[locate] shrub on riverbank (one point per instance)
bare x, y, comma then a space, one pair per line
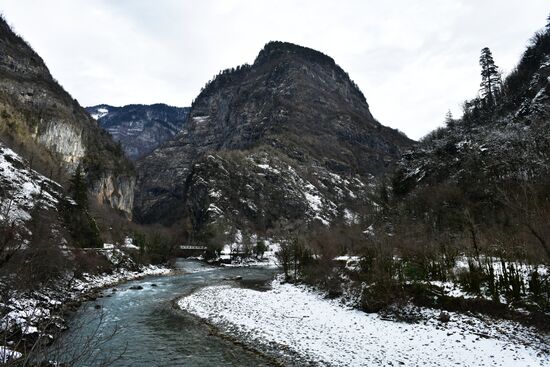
389, 271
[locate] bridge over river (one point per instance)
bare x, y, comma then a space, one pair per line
188, 250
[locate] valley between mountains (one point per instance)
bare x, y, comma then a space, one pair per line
274, 221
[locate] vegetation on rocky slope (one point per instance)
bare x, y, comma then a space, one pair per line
287, 139
473, 196
44, 124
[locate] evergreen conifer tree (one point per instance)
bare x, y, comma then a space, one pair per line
78, 188
449, 120
490, 77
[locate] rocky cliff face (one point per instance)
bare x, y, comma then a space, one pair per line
49, 128
289, 138
115, 190
140, 128
65, 140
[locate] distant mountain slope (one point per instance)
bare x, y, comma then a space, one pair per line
287, 139
140, 128
40, 120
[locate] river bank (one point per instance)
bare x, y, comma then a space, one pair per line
243, 316
137, 323
39, 316
303, 322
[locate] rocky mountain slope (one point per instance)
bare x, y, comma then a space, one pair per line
42, 122
480, 184
140, 128
287, 139
23, 190
490, 146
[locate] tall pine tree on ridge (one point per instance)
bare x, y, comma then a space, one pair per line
490, 78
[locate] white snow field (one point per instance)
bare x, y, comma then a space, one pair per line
328, 334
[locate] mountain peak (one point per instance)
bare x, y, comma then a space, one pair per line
294, 112
278, 52
276, 49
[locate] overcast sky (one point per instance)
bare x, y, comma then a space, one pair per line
413, 60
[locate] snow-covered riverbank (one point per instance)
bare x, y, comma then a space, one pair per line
27, 313
320, 330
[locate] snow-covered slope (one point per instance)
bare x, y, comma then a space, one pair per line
257, 189
33, 229
22, 189
491, 146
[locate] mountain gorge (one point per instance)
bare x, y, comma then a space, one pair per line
275, 221
140, 128
288, 138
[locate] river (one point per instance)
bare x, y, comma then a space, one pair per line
130, 327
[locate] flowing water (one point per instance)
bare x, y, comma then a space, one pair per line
144, 328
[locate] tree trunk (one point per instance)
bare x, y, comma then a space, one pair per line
540, 238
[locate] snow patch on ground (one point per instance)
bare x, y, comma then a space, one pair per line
7, 355
351, 217
324, 331
215, 194
315, 202
267, 167
201, 119
23, 188
232, 254
100, 112
89, 282
212, 208
499, 267
129, 244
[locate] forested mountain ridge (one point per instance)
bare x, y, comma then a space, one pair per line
495, 140
289, 138
140, 128
489, 169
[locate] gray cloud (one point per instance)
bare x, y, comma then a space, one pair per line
413, 60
